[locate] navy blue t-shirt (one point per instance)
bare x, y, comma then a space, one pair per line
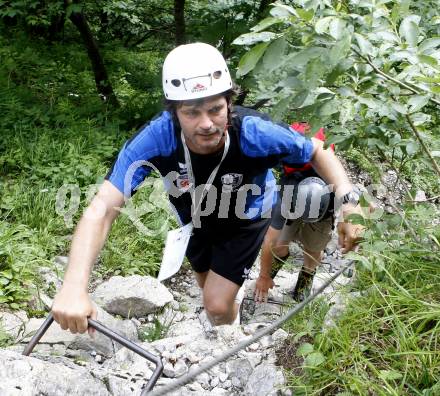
244, 179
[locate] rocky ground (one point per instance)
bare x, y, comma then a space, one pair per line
165, 319
63, 363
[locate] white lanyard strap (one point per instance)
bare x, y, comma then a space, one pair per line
211, 178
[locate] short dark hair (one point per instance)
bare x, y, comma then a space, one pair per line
172, 105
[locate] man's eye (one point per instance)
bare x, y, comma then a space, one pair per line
216, 110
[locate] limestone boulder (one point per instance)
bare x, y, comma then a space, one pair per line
132, 296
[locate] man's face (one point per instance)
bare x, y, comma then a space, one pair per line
203, 123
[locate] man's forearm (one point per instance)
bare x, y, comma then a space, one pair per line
90, 235
87, 242
328, 166
266, 260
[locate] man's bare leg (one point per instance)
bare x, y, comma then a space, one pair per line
311, 260
201, 278
218, 298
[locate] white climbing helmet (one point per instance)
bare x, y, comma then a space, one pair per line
193, 71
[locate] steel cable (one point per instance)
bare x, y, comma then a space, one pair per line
243, 344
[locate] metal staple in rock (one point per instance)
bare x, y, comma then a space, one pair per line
243, 344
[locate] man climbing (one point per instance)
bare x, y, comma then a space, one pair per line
311, 222
215, 161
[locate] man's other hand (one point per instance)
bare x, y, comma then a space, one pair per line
262, 286
349, 235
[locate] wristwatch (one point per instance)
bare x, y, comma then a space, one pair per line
351, 197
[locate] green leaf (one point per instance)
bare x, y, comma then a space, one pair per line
365, 47
304, 349
328, 108
435, 153
399, 107
303, 57
73, 9
323, 24
274, 53
428, 44
265, 23
4, 281
416, 102
360, 259
337, 28
250, 59
340, 50
252, 38
409, 30
428, 60
314, 359
411, 148
282, 10
387, 375
306, 15
336, 139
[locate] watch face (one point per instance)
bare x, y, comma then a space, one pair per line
351, 197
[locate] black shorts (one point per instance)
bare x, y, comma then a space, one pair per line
228, 249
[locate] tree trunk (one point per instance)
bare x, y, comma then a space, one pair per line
103, 85
179, 21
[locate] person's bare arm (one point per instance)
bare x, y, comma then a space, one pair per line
72, 304
328, 166
264, 282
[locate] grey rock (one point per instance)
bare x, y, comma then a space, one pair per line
236, 382
420, 196
278, 338
27, 376
176, 370
337, 308
219, 392
240, 369
223, 377
194, 292
203, 380
61, 262
101, 343
227, 384
253, 347
214, 382
195, 386
14, 324
264, 380
132, 296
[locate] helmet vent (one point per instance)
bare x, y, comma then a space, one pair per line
217, 74
176, 82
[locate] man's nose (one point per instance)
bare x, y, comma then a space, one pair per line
206, 122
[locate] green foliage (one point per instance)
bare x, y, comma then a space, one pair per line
361, 69
56, 131
5, 338
20, 256
155, 330
386, 340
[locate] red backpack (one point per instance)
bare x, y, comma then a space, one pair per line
302, 127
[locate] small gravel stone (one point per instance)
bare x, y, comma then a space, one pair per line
253, 347
223, 377
227, 384
235, 381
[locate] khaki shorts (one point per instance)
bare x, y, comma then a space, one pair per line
312, 236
